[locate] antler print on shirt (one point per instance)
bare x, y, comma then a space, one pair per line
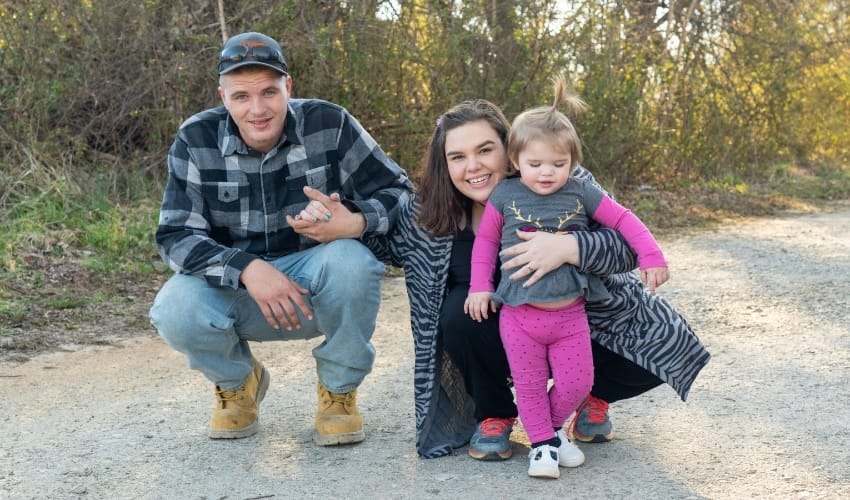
518, 216
562, 220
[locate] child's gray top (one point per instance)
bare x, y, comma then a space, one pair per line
564, 211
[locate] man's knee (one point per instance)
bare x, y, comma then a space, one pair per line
353, 260
178, 312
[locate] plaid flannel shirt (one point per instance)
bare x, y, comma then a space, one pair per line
226, 204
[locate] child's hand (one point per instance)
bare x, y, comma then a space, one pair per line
477, 305
653, 277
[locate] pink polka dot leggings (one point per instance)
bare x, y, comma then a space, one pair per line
543, 341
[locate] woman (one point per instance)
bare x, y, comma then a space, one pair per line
461, 379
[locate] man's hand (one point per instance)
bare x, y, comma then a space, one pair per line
276, 294
478, 304
326, 219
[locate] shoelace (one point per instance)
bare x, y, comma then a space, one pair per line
224, 396
340, 398
597, 409
494, 426
343, 399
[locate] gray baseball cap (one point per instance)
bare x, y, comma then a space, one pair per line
251, 49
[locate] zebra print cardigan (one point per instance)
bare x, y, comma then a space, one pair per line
638, 326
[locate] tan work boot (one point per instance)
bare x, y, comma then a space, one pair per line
235, 414
338, 421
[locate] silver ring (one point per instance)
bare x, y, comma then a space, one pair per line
326, 217
315, 219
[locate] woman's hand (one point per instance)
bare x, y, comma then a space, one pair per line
540, 253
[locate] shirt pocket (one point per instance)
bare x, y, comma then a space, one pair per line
227, 203
320, 178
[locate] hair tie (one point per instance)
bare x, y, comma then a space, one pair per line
439, 121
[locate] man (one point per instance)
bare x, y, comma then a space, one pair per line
265, 201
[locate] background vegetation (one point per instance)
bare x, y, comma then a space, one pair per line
698, 109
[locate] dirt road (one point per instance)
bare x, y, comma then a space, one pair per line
769, 417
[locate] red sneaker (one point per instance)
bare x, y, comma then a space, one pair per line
491, 440
591, 424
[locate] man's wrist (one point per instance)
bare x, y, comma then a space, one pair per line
357, 225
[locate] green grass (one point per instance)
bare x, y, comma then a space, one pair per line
12, 311
66, 249
66, 301
106, 236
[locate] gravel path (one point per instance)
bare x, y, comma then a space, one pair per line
769, 417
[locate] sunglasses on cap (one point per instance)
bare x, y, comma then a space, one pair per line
259, 53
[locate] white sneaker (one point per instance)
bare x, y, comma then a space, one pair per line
569, 454
544, 462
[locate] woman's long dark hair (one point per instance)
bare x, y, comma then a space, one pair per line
442, 207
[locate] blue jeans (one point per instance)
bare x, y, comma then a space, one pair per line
211, 326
